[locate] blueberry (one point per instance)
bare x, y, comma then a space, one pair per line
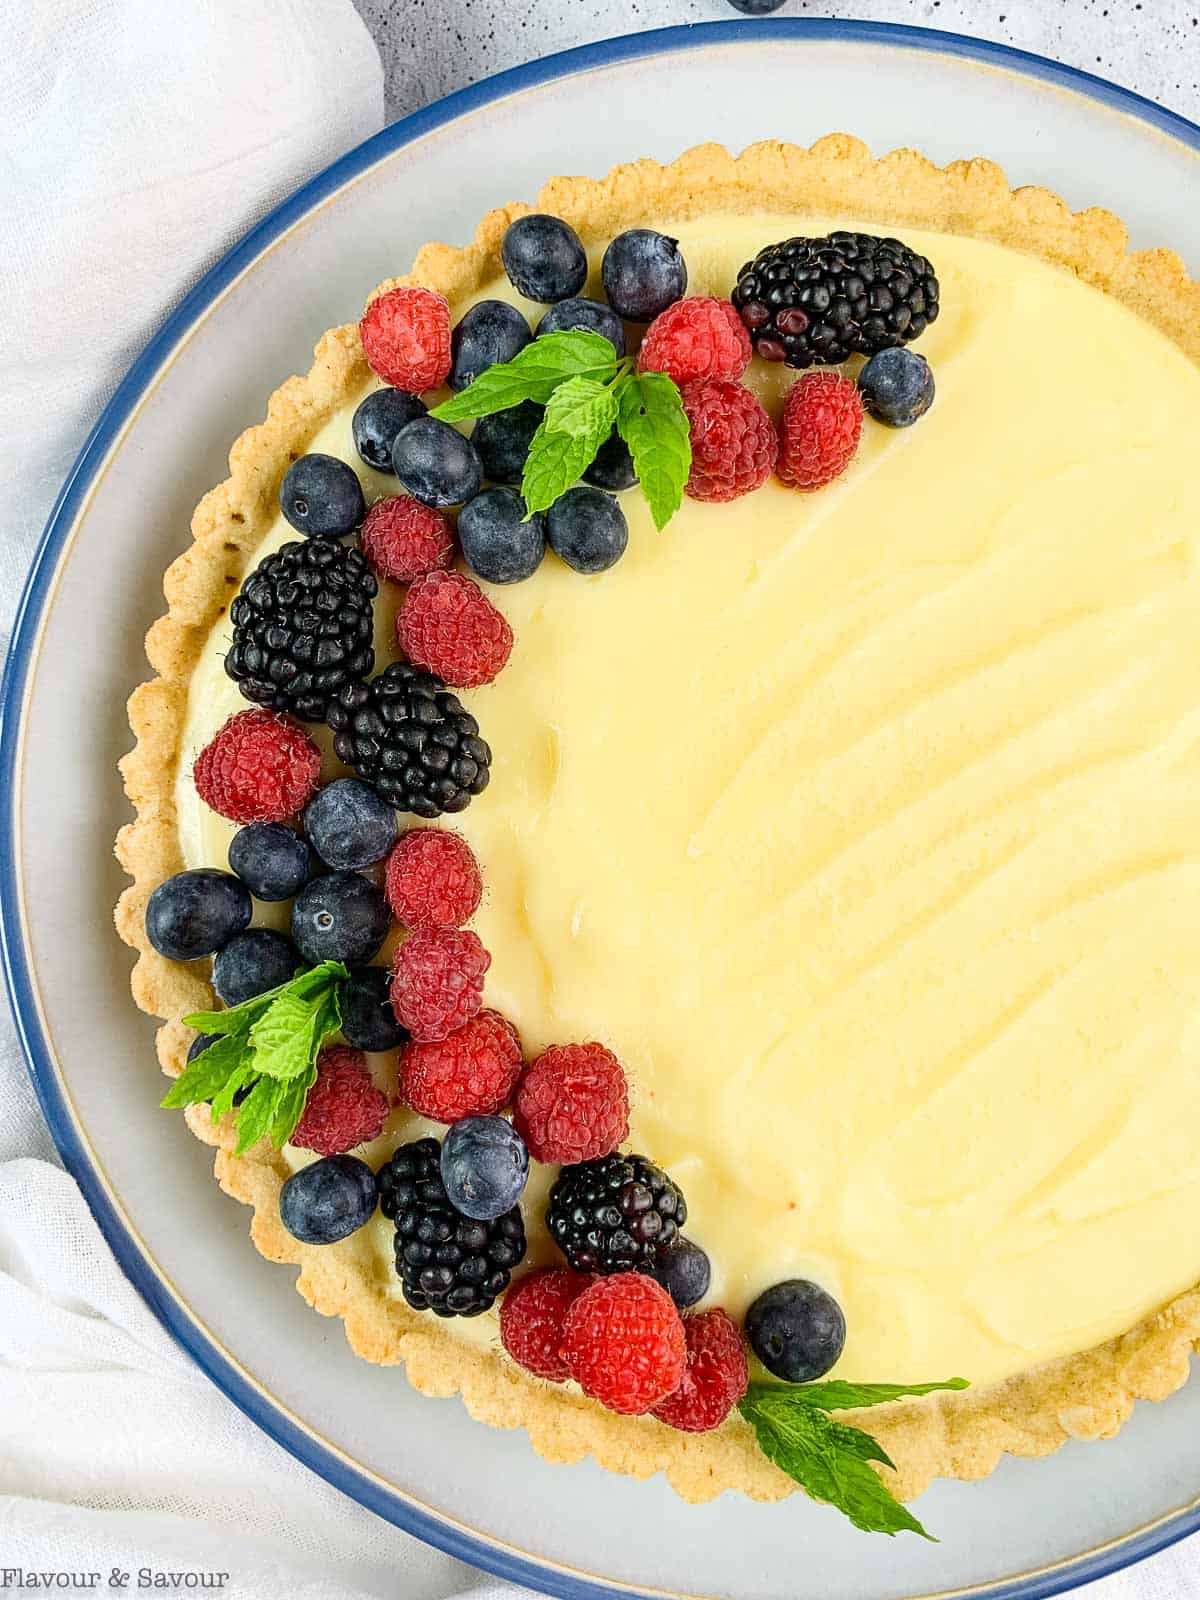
251, 963
497, 543
329, 1200
643, 274
587, 529
368, 1021
490, 332
503, 440
340, 917
201, 1043
544, 258
613, 466
685, 1272
322, 497
756, 8
194, 913
484, 1167
271, 860
436, 464
897, 387
796, 1330
379, 419
349, 825
593, 316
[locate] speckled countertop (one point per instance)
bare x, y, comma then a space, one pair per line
432, 46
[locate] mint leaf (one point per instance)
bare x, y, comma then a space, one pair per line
241, 1077
654, 425
579, 418
257, 1112
840, 1396
286, 1038
206, 1075
534, 374
238, 1019
289, 1106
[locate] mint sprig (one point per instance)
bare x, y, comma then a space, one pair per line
654, 425
533, 374
831, 1460
267, 1046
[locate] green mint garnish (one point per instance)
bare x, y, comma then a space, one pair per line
534, 374
654, 425
579, 418
829, 1459
268, 1046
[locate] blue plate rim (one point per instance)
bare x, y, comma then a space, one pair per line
434, 1528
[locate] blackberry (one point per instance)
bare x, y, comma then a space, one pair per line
303, 627
447, 1263
406, 734
616, 1214
813, 302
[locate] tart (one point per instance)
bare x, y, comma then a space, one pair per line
856, 824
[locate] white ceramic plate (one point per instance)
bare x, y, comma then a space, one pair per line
1033, 1528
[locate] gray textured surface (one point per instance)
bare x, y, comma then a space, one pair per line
432, 46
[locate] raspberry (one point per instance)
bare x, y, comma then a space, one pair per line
403, 540
819, 430
449, 626
469, 1074
623, 1343
716, 1378
405, 335
258, 768
573, 1104
532, 1317
696, 338
344, 1108
437, 985
734, 445
433, 880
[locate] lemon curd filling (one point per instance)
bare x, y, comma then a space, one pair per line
863, 827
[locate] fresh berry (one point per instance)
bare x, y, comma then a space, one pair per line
349, 825
195, 913
450, 627
685, 1272
618, 1214
437, 982
408, 736
485, 1166
436, 464
471, 1073
344, 1108
377, 421
498, 543
503, 440
303, 626
756, 8
624, 1344
544, 258
573, 1103
643, 274
533, 1316
814, 302
403, 540
257, 768
696, 338
340, 917
321, 497
368, 1021
613, 467
447, 1263
896, 387
819, 430
796, 1330
492, 331
587, 529
328, 1200
406, 338
271, 860
433, 880
716, 1378
251, 963
587, 316
734, 445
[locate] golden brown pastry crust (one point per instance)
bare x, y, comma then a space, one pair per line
956, 1435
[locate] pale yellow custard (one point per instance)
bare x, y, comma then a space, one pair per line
863, 827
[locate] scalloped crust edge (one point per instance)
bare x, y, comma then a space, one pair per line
961, 1435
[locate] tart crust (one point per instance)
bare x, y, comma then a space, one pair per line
959, 1435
